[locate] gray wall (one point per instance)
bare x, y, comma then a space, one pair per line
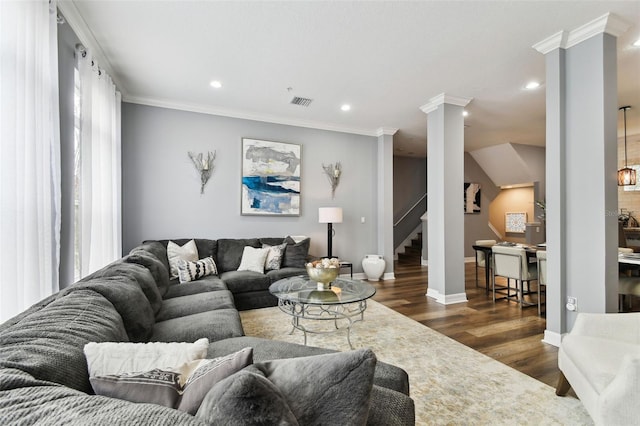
409, 184
476, 225
161, 190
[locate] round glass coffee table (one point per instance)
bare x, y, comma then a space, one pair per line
345, 300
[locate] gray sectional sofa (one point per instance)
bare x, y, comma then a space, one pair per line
43, 372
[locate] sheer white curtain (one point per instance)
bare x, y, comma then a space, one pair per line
100, 216
29, 154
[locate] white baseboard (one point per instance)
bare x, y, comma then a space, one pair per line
424, 262
447, 299
388, 276
552, 338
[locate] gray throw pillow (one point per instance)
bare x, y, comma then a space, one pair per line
327, 389
246, 399
295, 254
275, 256
181, 388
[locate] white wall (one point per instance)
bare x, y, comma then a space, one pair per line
161, 190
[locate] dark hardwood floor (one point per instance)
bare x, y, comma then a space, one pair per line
502, 331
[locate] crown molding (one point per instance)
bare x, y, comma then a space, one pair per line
443, 98
84, 34
553, 42
205, 109
389, 131
608, 23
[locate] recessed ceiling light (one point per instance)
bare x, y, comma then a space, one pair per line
465, 113
345, 107
216, 84
637, 43
532, 85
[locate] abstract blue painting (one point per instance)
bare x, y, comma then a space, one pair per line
270, 178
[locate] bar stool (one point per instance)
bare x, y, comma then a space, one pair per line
512, 263
541, 255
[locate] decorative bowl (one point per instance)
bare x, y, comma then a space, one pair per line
322, 275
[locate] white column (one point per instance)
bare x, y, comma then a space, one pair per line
581, 163
445, 187
385, 198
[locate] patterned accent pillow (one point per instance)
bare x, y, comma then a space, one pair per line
253, 259
191, 271
182, 388
175, 253
274, 257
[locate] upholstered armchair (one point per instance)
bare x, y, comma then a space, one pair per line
600, 360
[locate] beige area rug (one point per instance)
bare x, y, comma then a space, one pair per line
451, 384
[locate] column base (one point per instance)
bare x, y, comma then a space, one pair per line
552, 338
447, 299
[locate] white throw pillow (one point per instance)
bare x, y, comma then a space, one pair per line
253, 259
175, 253
118, 357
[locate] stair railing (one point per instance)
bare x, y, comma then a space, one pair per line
416, 204
409, 221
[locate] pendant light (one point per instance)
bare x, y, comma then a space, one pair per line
626, 175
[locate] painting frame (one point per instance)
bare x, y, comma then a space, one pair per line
515, 222
270, 178
472, 196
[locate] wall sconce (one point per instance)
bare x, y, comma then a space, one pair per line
333, 172
204, 166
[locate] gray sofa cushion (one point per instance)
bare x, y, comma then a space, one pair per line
127, 298
295, 255
243, 281
208, 283
254, 300
194, 304
214, 325
272, 241
281, 273
155, 248
135, 272
48, 344
230, 252
26, 401
156, 267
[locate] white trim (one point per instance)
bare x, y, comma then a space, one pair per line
553, 42
446, 299
552, 338
225, 112
608, 23
424, 262
388, 276
359, 276
82, 30
390, 131
495, 231
443, 98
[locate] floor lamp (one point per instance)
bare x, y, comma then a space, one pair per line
330, 215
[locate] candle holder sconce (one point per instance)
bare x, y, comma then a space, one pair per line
333, 172
204, 166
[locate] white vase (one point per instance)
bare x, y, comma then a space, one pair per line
373, 266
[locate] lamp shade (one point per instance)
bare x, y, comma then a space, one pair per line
626, 176
330, 215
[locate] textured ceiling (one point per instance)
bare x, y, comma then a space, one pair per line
385, 59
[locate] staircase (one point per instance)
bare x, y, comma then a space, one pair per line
412, 253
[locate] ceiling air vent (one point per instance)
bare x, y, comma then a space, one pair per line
301, 101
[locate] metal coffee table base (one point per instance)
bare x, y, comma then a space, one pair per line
351, 312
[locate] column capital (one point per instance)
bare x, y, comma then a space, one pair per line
608, 23
443, 98
381, 131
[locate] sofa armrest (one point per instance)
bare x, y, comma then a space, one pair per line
621, 327
390, 408
617, 401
